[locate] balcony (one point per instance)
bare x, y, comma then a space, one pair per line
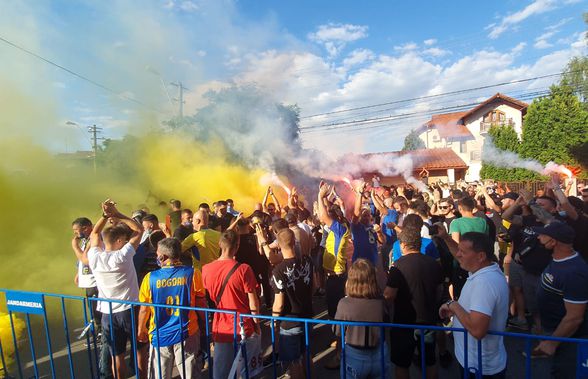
486, 125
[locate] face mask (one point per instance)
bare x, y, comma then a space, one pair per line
188, 223
563, 213
160, 262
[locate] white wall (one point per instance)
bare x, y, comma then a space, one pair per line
473, 144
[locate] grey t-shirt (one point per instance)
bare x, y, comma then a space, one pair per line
362, 310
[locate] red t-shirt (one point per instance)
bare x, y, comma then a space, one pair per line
234, 297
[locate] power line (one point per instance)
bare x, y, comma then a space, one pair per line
437, 95
403, 116
79, 76
514, 94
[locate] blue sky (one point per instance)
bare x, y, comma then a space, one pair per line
323, 56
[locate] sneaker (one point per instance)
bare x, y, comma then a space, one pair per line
518, 324
445, 359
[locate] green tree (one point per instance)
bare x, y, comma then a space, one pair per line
504, 137
554, 127
576, 76
413, 142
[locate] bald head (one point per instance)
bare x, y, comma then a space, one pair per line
258, 207
200, 220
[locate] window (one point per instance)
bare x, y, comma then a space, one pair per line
495, 117
463, 147
475, 155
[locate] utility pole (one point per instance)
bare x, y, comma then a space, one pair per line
94, 130
180, 98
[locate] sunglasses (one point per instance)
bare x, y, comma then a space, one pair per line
443, 206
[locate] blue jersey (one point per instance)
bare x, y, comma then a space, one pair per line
390, 234
173, 285
427, 248
365, 243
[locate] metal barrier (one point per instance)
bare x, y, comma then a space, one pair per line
34, 303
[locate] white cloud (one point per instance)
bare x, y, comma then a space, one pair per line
535, 8
436, 52
409, 46
105, 121
519, 47
357, 57
189, 6
186, 5
542, 42
334, 37
430, 42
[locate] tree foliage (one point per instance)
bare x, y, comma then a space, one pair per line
576, 77
555, 127
413, 142
504, 137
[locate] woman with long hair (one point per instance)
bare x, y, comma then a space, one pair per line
363, 303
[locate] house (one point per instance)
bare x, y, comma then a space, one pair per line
429, 165
464, 132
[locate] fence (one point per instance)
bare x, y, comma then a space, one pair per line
34, 303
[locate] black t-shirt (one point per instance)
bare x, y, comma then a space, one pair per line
224, 221
293, 278
533, 255
423, 275
580, 226
248, 253
183, 231
404, 312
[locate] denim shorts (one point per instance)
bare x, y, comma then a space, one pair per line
122, 331
365, 363
292, 344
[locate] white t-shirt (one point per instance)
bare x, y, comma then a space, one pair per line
485, 291
115, 276
85, 276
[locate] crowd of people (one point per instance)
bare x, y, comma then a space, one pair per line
473, 255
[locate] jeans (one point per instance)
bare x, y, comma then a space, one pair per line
224, 354
363, 364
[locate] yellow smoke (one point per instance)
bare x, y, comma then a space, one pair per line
6, 338
41, 194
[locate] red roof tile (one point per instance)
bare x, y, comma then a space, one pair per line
431, 159
517, 104
449, 125
452, 124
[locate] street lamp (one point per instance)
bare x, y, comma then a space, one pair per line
94, 130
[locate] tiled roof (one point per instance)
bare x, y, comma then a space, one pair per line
452, 124
449, 125
431, 159
517, 104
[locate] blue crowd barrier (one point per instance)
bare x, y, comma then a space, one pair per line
34, 304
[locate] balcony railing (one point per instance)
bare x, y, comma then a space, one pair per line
485, 126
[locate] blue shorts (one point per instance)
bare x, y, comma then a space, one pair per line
292, 344
122, 331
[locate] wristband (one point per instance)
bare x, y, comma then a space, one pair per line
449, 302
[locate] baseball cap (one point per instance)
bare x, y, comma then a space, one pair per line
511, 195
558, 231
